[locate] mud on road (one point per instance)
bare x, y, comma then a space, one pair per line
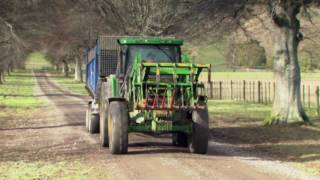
57, 132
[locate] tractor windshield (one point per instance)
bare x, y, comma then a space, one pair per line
155, 53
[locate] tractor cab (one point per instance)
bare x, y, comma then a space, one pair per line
150, 50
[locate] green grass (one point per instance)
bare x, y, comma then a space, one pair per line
49, 170
264, 75
17, 91
230, 109
37, 60
68, 83
237, 109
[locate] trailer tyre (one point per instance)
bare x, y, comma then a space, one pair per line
118, 127
180, 139
200, 133
94, 124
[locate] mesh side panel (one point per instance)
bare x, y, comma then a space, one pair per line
109, 52
108, 62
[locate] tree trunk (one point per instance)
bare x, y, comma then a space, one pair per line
287, 107
2, 79
65, 68
78, 70
56, 67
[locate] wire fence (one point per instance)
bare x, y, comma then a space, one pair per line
260, 91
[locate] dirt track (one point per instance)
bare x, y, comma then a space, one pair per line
58, 132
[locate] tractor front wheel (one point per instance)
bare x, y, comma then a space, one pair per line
200, 133
118, 127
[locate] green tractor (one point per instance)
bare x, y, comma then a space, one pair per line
145, 85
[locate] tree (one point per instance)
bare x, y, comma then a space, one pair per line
287, 105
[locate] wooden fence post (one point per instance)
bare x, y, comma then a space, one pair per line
250, 91
269, 93
317, 96
259, 92
309, 105
304, 95
274, 90
220, 90
253, 94
265, 93
244, 90
231, 90
211, 89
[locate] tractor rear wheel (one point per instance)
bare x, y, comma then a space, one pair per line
180, 139
200, 133
118, 127
94, 123
105, 93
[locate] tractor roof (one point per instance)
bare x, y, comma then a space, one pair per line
150, 40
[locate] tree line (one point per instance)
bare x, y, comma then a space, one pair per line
63, 28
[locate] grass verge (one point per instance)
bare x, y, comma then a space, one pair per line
241, 125
17, 92
49, 170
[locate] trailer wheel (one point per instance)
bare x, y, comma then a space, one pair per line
180, 139
200, 133
94, 124
118, 127
105, 93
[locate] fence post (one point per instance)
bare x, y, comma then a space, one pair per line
265, 93
250, 92
220, 90
231, 90
211, 89
253, 90
274, 90
259, 92
269, 93
317, 96
244, 90
309, 105
304, 95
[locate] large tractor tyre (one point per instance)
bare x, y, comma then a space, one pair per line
180, 139
105, 93
118, 127
88, 116
94, 124
200, 132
